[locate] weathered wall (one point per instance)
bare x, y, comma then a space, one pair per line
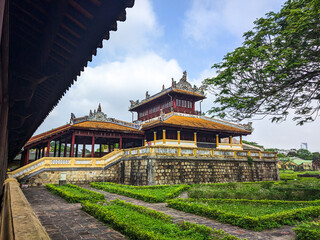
111, 174
143, 171
168, 170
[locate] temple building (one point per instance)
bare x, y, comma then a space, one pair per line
166, 118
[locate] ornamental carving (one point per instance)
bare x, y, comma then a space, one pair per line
248, 126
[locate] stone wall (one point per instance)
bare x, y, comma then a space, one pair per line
157, 171
76, 176
167, 170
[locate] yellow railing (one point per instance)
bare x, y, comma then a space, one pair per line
171, 142
157, 150
196, 152
65, 162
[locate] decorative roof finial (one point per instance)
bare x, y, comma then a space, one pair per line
147, 95
99, 108
184, 76
163, 87
90, 114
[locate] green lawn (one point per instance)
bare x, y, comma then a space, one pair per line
145, 193
251, 214
138, 222
306, 189
74, 194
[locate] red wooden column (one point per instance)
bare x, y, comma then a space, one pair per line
48, 149
55, 148
120, 143
76, 150
36, 155
83, 150
72, 145
65, 148
27, 156
92, 147
43, 152
59, 153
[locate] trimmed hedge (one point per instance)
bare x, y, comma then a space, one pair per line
75, 194
260, 223
308, 231
153, 194
138, 222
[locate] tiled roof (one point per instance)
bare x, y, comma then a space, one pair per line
104, 126
48, 133
196, 123
92, 125
166, 91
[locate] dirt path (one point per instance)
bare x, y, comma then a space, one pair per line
283, 233
63, 220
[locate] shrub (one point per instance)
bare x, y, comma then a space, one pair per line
206, 208
138, 222
75, 194
145, 193
308, 231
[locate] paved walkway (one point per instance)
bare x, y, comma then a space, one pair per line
63, 220
283, 233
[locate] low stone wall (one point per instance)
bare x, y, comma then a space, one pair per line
75, 176
177, 170
145, 170
17, 219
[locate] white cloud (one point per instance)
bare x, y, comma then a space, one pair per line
134, 35
113, 85
209, 21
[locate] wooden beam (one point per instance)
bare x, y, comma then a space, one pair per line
80, 9
53, 22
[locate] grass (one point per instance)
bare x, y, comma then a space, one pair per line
292, 175
253, 208
251, 214
305, 190
138, 222
146, 193
75, 194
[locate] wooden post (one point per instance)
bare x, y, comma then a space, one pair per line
72, 144
217, 140
36, 154
27, 156
55, 148
48, 148
120, 144
195, 138
154, 137
178, 136
241, 141
83, 150
92, 147
59, 153
77, 149
145, 142
43, 151
230, 141
164, 136
65, 148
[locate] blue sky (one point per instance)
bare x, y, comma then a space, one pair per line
159, 40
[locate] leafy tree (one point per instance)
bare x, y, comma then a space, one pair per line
316, 156
252, 143
304, 154
276, 69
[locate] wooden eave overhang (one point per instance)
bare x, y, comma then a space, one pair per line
84, 126
50, 43
176, 91
194, 123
